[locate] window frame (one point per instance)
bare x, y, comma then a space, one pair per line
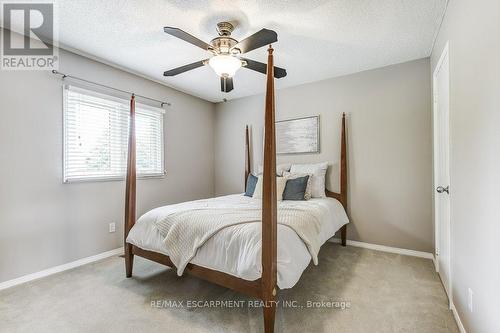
103, 178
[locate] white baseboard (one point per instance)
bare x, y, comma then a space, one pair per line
83, 261
383, 248
60, 268
436, 265
461, 327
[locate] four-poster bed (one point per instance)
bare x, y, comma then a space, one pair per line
265, 285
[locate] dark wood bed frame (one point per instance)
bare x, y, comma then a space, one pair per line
264, 288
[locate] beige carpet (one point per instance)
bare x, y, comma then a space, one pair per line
383, 293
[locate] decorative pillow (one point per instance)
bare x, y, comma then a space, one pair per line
307, 194
318, 172
295, 189
280, 187
251, 182
280, 168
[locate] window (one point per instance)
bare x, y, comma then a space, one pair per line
96, 137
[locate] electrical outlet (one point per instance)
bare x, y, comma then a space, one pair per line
112, 227
469, 299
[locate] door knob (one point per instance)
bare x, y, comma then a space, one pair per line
441, 189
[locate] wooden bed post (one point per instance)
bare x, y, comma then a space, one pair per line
269, 203
247, 156
343, 178
342, 196
130, 190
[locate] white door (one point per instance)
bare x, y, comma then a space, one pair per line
441, 83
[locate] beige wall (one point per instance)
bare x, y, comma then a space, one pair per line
473, 31
389, 144
43, 222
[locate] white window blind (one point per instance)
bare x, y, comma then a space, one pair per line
96, 137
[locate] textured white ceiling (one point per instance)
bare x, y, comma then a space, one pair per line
317, 39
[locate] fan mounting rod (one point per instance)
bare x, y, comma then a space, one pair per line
224, 43
224, 28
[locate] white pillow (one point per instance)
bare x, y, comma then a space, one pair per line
289, 175
280, 188
280, 168
318, 172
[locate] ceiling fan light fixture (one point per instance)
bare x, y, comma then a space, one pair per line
225, 65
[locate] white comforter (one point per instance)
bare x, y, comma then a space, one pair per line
236, 250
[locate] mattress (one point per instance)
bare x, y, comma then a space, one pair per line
236, 250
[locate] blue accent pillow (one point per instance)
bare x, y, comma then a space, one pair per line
295, 189
251, 183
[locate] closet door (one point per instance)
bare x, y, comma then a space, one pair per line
441, 110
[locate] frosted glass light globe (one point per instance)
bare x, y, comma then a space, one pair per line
225, 65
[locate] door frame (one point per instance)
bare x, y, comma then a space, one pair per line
445, 55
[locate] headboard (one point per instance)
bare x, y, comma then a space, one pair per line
342, 196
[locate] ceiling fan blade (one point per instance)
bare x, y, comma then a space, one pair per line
176, 32
262, 68
185, 68
258, 39
226, 84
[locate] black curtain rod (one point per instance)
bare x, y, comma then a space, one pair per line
108, 87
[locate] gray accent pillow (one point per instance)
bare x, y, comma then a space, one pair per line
295, 189
251, 183
308, 193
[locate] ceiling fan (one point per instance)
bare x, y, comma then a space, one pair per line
226, 53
